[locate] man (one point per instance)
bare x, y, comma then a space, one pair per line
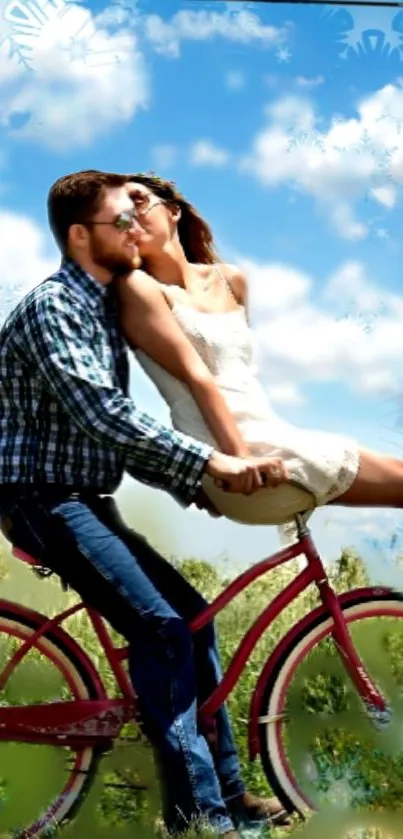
68, 431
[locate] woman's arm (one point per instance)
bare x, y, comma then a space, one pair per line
148, 324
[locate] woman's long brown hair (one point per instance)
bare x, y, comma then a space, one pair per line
194, 233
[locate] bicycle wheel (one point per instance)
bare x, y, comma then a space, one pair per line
317, 744
41, 785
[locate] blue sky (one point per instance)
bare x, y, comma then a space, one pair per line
284, 125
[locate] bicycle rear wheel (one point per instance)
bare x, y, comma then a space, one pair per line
40, 785
318, 746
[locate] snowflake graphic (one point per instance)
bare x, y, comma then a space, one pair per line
81, 47
393, 119
366, 144
130, 6
398, 120
121, 12
377, 144
390, 546
392, 423
22, 23
385, 160
370, 140
300, 139
29, 24
341, 784
372, 153
283, 55
380, 155
366, 322
381, 233
359, 324
10, 296
372, 30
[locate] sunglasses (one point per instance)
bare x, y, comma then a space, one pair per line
123, 222
145, 201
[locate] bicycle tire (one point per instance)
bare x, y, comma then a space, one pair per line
272, 750
15, 621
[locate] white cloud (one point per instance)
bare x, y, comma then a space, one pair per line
346, 225
286, 393
275, 286
386, 195
303, 81
66, 78
68, 75
350, 333
234, 80
24, 259
205, 153
201, 25
338, 165
350, 283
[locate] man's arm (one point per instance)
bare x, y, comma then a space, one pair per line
58, 338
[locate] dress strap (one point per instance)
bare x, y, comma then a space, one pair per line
226, 283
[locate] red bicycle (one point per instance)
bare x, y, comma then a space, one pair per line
341, 659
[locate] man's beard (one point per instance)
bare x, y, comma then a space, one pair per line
117, 263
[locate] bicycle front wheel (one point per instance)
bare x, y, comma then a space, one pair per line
318, 745
41, 785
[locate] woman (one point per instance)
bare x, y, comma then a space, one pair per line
185, 316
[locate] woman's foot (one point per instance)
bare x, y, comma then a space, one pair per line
248, 808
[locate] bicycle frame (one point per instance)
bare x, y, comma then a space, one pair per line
314, 573
98, 722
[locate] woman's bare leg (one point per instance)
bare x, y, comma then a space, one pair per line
379, 483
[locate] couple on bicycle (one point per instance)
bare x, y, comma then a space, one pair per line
69, 431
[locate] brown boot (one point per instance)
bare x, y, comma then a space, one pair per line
249, 808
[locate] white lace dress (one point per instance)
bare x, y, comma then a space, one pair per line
321, 465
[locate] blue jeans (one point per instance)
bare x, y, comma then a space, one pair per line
85, 541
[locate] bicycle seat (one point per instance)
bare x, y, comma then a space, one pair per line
19, 554
268, 506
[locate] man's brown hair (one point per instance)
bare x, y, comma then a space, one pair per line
76, 198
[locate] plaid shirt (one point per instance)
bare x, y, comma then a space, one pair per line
66, 417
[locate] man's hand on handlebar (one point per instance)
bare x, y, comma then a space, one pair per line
245, 475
